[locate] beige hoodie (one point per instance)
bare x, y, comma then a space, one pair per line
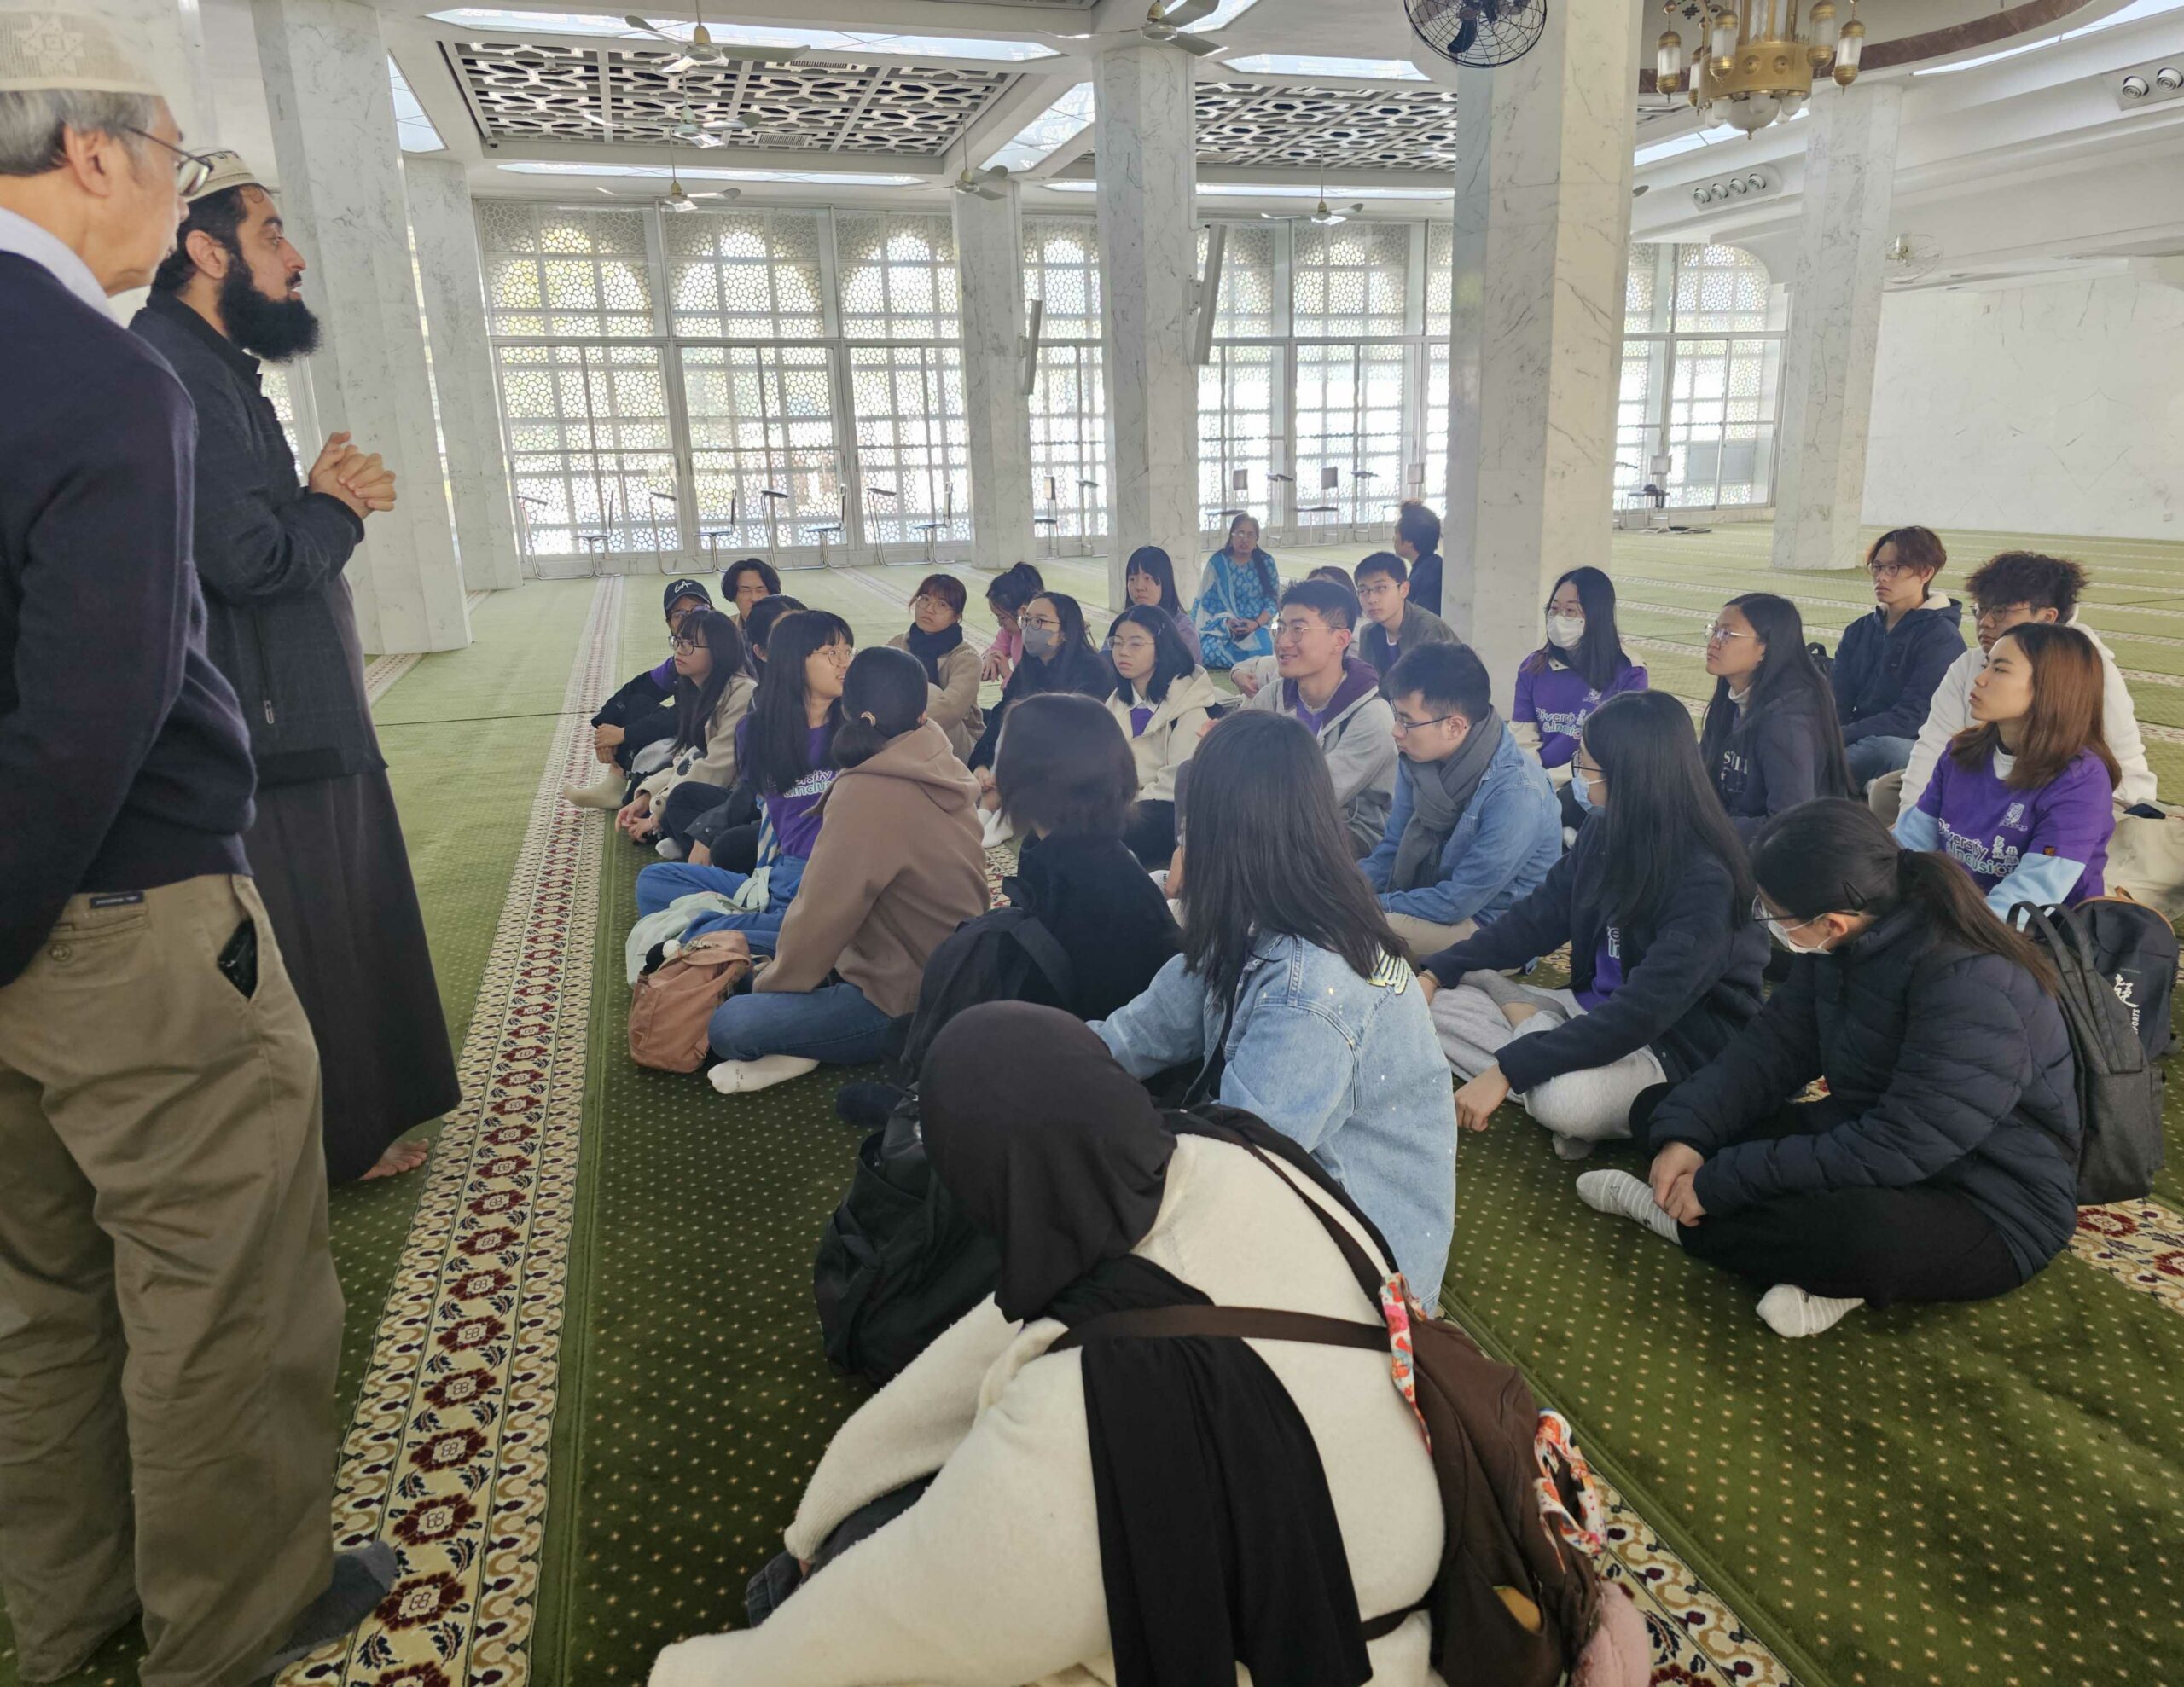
899, 866
715, 764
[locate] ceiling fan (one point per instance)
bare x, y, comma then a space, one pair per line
677, 197
985, 184
1319, 213
688, 127
702, 50
1167, 23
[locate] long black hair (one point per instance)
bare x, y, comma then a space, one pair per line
1155, 563
1832, 855
1787, 677
1661, 806
1598, 658
1076, 665
777, 739
1172, 659
1269, 582
883, 697
759, 626
693, 703
1252, 865
1063, 766
1015, 586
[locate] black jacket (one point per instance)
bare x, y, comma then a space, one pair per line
1946, 1067
1884, 680
1690, 977
1109, 918
1077, 667
124, 765
1425, 582
282, 626
1771, 761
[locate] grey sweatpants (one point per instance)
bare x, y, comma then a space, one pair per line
1591, 1105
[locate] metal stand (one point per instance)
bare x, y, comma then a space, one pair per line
773, 497
597, 542
658, 556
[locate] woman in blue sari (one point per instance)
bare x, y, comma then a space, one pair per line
1238, 596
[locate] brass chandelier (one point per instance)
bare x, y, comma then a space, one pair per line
1754, 65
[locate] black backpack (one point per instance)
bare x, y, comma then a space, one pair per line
897, 1263
2117, 962
1006, 954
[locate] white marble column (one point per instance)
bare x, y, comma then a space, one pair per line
1145, 154
463, 373
325, 89
1542, 217
989, 258
1827, 363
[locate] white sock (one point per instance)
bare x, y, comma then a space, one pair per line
741, 1077
1573, 1148
1789, 1311
1626, 1197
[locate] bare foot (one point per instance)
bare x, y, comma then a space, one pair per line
401, 1157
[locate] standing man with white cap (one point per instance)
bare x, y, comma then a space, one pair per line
170, 1323
271, 548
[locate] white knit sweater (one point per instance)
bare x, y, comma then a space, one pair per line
992, 1578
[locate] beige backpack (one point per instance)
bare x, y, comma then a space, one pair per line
674, 1001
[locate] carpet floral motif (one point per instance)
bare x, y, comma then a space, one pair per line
2141, 1243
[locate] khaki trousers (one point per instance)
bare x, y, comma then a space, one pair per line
1885, 797
169, 1322
1423, 939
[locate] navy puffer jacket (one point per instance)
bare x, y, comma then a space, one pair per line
1946, 1067
1884, 678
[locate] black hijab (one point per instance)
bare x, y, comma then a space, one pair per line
1218, 1543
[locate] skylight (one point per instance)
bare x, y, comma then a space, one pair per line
412, 128
753, 35
1698, 138
1272, 191
2130, 13
1308, 64
1063, 120
817, 179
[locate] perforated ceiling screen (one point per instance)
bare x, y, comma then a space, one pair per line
1335, 128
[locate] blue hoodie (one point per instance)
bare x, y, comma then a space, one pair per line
1884, 678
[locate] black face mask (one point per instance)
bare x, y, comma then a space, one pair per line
275, 329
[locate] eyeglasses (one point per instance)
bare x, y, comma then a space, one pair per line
1041, 626
1718, 634
192, 171
1890, 571
685, 646
1579, 768
1404, 726
1136, 646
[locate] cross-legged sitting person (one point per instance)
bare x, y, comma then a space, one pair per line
641, 713
1942, 1164
1655, 903
1474, 827
897, 866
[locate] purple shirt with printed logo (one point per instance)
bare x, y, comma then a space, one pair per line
1991, 828
1607, 971
796, 824
1558, 701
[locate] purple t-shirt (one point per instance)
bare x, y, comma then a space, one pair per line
1991, 828
664, 675
792, 813
1607, 969
1558, 701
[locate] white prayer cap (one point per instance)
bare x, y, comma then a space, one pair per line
228, 170
65, 52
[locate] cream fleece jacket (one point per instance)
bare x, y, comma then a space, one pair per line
953, 704
899, 866
993, 1577
1170, 737
715, 763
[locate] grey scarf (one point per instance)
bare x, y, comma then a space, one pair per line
1440, 792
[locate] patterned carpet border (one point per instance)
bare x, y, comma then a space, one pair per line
2138, 1243
382, 671
446, 1457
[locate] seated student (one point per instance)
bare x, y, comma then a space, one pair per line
897, 866
1418, 543
1474, 828
1238, 598
951, 666
1160, 700
1067, 780
641, 713
712, 695
1058, 656
1003, 1569
749, 582
1887, 664
1338, 697
784, 748
719, 825
1150, 579
1290, 973
1942, 1164
1655, 903
2007, 591
2025, 800
1580, 667
1397, 624
1770, 741
1006, 596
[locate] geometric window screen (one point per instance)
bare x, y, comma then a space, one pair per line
589, 446
1350, 418
1068, 406
1349, 278
1236, 389
1702, 360
762, 423
1246, 309
551, 274
744, 274
912, 442
897, 276
1061, 269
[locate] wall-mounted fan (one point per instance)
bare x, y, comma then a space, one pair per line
1910, 257
1480, 33
702, 50
1167, 23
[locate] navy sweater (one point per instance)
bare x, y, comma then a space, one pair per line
1690, 975
124, 762
1769, 762
1946, 1067
1885, 678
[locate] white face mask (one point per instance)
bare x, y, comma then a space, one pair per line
1565, 631
1780, 933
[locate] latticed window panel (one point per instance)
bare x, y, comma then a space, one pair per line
1061, 269
1721, 289
745, 275
1246, 309
762, 422
1348, 279
897, 272
912, 442
1069, 441
551, 272
1349, 419
1722, 398
1440, 274
590, 445
1435, 461
1236, 391
273, 380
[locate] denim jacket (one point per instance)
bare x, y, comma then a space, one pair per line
1349, 1067
1507, 839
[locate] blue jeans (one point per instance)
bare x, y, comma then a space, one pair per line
833, 1024
1870, 757
662, 882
